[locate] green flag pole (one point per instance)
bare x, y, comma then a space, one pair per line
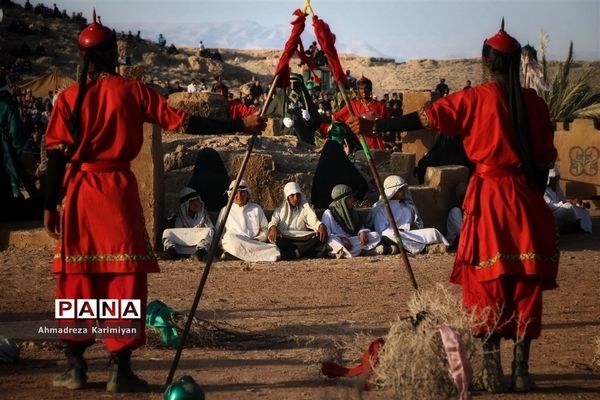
381, 190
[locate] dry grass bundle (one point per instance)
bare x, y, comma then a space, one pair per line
137, 72
413, 362
205, 333
209, 105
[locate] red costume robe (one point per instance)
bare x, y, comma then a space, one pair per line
360, 107
103, 225
508, 230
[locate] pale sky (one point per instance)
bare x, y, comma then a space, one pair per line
400, 29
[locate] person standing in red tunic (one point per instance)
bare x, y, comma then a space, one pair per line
365, 106
237, 109
508, 252
103, 250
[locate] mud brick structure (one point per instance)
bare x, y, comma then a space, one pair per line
578, 145
148, 170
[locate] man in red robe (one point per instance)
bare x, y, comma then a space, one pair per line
508, 252
103, 250
365, 106
237, 109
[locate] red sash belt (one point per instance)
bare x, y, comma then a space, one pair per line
494, 171
483, 171
96, 166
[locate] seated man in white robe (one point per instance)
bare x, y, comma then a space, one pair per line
414, 237
348, 236
193, 231
568, 214
245, 235
295, 228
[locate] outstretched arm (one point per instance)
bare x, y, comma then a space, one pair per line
252, 124
408, 122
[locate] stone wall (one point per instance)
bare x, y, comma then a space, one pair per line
421, 141
274, 162
438, 194
148, 170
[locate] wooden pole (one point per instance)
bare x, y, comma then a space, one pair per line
386, 203
215, 243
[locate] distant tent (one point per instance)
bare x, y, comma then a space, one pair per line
49, 82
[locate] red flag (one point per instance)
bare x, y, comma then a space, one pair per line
291, 46
326, 40
370, 358
308, 61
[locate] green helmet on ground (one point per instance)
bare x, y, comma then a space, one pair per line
184, 388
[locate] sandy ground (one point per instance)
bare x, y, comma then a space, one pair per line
297, 311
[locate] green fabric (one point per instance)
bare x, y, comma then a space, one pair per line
339, 132
347, 219
158, 316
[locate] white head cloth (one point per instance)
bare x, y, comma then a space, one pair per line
289, 189
392, 184
199, 219
242, 186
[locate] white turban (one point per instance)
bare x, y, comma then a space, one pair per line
392, 184
242, 186
291, 188
199, 219
186, 194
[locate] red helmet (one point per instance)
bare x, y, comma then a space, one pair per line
94, 34
502, 41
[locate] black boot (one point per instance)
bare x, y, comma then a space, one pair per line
521, 380
491, 378
75, 376
120, 376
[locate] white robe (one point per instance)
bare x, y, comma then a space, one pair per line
336, 232
295, 222
565, 213
245, 234
414, 241
190, 233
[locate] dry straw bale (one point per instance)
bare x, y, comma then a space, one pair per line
133, 72
413, 362
208, 105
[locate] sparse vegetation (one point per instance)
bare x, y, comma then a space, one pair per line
570, 96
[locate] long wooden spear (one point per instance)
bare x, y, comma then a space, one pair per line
215, 243
326, 40
380, 188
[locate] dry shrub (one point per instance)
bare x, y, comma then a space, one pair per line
413, 362
215, 334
